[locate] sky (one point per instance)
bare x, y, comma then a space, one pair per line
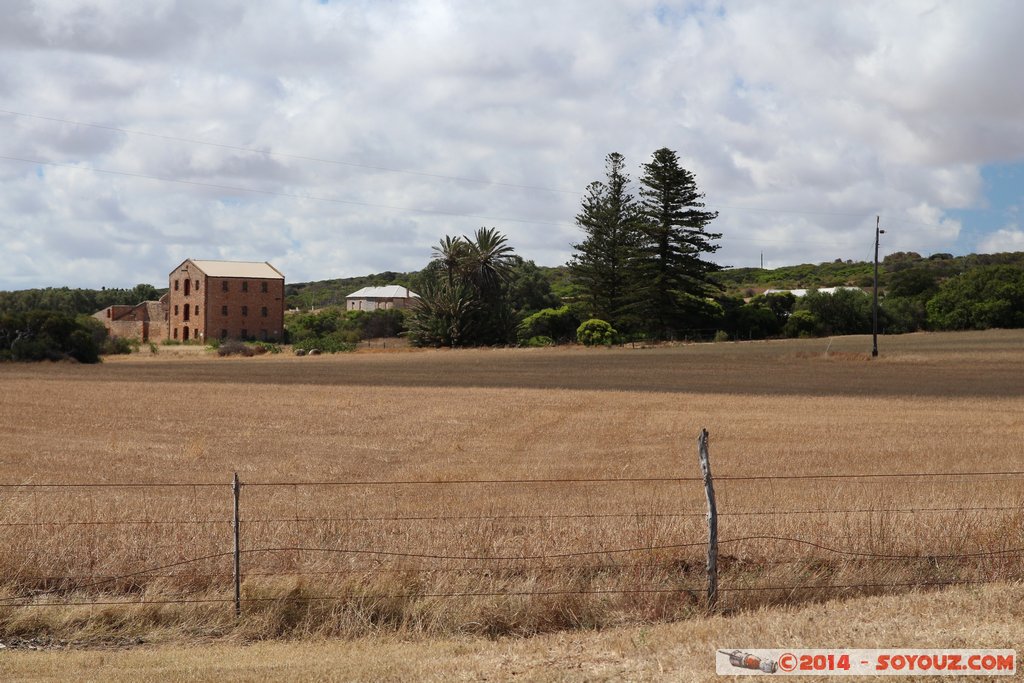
342, 138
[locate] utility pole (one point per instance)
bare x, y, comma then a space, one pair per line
874, 308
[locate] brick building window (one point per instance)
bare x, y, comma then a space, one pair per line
175, 285
245, 310
223, 310
197, 285
263, 311
245, 285
263, 287
223, 334
197, 309
223, 285
175, 309
175, 332
188, 287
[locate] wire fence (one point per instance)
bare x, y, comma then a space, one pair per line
183, 543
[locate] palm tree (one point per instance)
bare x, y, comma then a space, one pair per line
443, 314
489, 259
452, 254
463, 298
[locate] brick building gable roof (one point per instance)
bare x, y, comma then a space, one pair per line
251, 269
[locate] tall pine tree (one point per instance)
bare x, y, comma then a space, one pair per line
673, 277
601, 266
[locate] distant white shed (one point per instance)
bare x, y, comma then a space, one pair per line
375, 298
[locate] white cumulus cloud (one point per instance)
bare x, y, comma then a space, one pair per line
348, 137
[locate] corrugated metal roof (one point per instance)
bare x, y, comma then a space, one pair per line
799, 293
389, 292
253, 269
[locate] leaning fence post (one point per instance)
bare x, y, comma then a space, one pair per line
236, 489
709, 490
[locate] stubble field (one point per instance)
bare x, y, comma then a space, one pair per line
497, 492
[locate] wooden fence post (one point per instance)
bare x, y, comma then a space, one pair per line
236, 489
709, 490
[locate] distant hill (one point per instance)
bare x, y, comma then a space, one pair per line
857, 273
735, 281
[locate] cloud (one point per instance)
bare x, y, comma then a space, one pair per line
1009, 238
801, 121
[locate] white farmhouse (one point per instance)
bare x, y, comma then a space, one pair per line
375, 298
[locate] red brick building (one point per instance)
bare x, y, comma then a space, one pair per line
146, 321
225, 300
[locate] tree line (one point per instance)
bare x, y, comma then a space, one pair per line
75, 301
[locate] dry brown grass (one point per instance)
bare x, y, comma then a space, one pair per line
989, 616
935, 403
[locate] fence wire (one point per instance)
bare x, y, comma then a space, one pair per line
66, 590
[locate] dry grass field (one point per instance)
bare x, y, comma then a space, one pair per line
363, 511
679, 651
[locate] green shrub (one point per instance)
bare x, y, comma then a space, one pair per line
721, 336
539, 341
559, 324
116, 345
237, 347
843, 312
47, 335
234, 347
352, 326
981, 298
82, 347
803, 324
900, 314
595, 332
